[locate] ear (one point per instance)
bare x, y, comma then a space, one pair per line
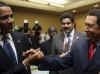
74, 25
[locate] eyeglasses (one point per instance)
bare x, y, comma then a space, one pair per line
66, 23
5, 17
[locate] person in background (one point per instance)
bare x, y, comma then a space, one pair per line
64, 40
46, 46
36, 30
85, 53
12, 45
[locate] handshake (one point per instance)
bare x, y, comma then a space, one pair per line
32, 55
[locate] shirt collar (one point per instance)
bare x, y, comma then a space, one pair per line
9, 36
71, 33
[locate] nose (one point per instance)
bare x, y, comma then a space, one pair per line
86, 28
66, 25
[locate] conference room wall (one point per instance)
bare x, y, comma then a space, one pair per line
45, 18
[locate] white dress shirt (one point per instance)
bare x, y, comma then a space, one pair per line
71, 36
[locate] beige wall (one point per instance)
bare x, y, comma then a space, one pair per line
45, 19
79, 19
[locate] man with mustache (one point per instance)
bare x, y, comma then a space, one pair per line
62, 43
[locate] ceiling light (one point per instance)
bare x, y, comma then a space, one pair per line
96, 6
57, 3
39, 1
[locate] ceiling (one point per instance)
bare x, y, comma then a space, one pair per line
67, 6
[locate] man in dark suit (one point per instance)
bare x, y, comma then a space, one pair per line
64, 40
46, 46
11, 45
85, 54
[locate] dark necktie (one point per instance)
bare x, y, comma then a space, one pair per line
91, 51
68, 43
9, 50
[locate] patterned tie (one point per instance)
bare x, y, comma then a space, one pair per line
67, 42
8, 49
91, 51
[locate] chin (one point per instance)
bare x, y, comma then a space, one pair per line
67, 32
90, 39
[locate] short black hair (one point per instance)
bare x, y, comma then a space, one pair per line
95, 12
52, 29
3, 4
67, 15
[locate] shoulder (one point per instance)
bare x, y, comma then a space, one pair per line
80, 42
59, 35
18, 35
78, 32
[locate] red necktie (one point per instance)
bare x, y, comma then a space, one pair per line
91, 51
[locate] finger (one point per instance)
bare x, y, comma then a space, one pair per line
31, 51
34, 56
38, 49
23, 54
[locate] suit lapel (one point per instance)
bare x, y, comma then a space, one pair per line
96, 57
62, 36
15, 40
76, 36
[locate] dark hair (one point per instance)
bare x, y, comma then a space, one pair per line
3, 31
95, 12
3, 4
52, 29
37, 27
67, 15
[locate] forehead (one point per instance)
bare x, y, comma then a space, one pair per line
91, 19
66, 20
5, 10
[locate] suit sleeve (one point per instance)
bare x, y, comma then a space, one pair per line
55, 63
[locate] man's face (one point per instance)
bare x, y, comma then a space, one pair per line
6, 19
92, 29
67, 25
52, 34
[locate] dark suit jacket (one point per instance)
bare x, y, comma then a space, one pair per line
7, 66
46, 47
78, 59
